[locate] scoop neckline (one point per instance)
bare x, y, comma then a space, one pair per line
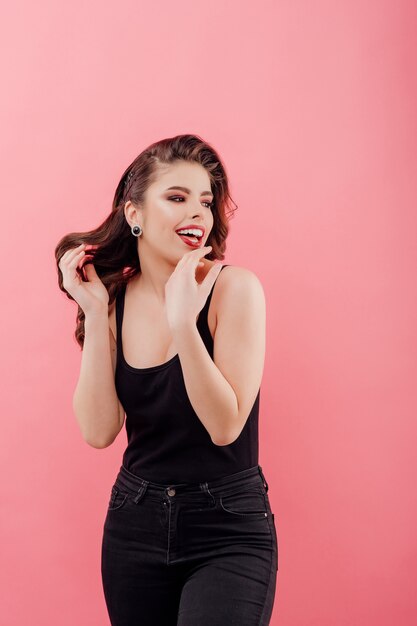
152, 368
131, 368
159, 366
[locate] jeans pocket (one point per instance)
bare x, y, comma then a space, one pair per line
249, 503
117, 499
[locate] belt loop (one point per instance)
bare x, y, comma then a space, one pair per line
263, 478
141, 491
205, 488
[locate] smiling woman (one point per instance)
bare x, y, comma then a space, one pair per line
177, 342
112, 249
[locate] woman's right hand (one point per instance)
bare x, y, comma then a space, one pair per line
91, 295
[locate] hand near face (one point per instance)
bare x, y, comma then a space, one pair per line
184, 297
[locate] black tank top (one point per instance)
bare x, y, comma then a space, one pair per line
167, 442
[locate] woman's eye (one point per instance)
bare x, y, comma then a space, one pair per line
210, 204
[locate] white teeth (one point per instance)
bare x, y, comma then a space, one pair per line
196, 232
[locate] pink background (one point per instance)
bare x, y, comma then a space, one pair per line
312, 106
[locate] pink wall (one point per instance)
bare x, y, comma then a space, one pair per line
313, 108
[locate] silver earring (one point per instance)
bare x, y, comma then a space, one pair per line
136, 230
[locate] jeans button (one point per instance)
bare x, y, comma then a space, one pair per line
171, 491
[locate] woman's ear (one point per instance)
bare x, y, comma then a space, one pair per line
131, 213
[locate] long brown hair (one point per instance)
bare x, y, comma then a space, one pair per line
114, 248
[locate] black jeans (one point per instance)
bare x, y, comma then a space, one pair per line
190, 554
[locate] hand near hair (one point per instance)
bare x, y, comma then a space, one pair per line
91, 295
184, 297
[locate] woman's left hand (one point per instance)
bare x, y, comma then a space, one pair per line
184, 296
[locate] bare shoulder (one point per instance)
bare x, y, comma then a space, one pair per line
235, 279
238, 286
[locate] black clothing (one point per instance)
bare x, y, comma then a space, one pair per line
167, 442
195, 554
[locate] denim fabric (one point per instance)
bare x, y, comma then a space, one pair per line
190, 554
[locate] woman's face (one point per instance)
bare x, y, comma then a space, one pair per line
167, 210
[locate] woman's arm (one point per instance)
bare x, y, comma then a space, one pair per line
96, 405
222, 391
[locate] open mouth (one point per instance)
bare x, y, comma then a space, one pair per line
191, 240
191, 234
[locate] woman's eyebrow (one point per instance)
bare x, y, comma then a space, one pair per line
203, 193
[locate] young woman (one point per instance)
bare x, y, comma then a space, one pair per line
177, 342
